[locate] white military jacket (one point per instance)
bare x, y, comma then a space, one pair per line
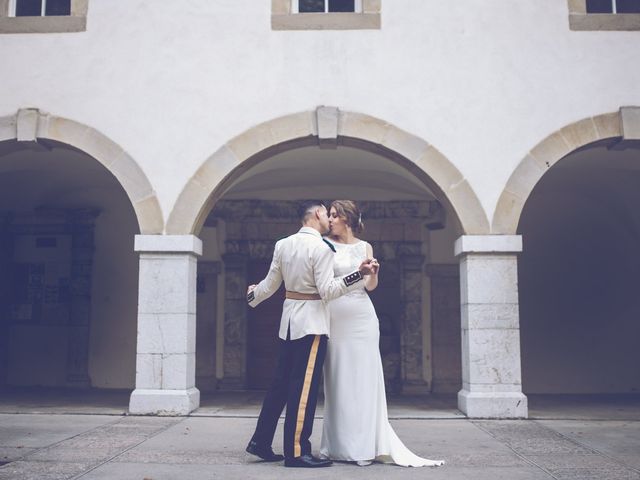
304, 261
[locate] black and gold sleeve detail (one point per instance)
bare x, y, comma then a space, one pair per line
251, 296
352, 278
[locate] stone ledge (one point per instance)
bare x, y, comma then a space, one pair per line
168, 244
58, 24
326, 21
488, 244
164, 402
577, 6
604, 22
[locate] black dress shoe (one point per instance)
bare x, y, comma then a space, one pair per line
265, 453
306, 461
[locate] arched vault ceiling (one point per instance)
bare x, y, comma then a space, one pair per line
36, 175
589, 165
343, 172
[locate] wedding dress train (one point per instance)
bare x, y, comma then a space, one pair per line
356, 426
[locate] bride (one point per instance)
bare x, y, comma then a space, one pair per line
356, 427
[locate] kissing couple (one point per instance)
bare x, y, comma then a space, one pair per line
327, 313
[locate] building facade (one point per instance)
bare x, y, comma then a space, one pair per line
151, 153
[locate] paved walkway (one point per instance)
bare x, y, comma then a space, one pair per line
597, 439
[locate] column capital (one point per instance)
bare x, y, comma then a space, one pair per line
168, 244
488, 244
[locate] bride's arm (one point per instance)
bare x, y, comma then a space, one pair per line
371, 281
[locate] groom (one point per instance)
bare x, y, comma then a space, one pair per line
304, 261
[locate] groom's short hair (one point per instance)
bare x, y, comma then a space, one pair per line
307, 207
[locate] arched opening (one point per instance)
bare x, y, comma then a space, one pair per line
409, 222
68, 273
578, 274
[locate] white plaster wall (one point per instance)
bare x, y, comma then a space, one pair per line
114, 296
173, 81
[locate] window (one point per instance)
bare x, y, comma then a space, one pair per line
326, 6
604, 14
325, 14
43, 16
613, 6
39, 8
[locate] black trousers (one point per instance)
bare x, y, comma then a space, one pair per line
296, 383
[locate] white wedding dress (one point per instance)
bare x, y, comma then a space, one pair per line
356, 426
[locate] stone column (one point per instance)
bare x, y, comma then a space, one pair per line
445, 328
491, 379
411, 336
206, 322
235, 321
165, 360
82, 248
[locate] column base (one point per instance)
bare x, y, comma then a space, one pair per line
493, 404
164, 402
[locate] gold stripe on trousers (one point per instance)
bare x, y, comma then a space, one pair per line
304, 397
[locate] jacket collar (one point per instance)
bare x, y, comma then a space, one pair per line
310, 230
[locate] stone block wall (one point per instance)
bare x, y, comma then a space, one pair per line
399, 236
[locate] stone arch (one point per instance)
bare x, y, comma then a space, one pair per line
219, 171
31, 124
541, 158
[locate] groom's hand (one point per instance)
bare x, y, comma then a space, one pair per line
375, 265
367, 267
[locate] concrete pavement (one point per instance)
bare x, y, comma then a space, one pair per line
51, 446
